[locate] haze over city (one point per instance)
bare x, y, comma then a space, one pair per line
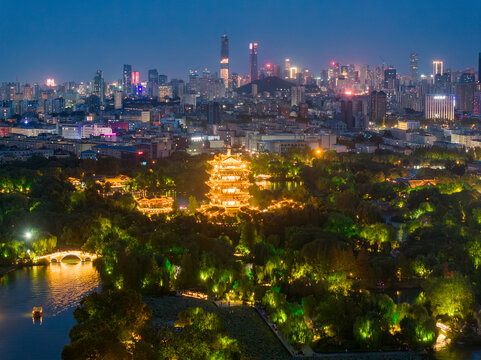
70, 40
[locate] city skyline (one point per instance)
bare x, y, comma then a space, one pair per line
329, 32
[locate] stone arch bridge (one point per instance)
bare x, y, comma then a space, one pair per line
59, 256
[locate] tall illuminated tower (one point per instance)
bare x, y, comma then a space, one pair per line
413, 65
479, 68
98, 86
287, 68
224, 59
437, 68
253, 73
127, 80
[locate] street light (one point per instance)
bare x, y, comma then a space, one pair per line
28, 235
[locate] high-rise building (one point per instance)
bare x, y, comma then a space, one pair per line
413, 65
98, 86
440, 106
378, 102
479, 68
224, 59
253, 72
152, 82
347, 115
297, 95
437, 69
389, 78
135, 78
127, 80
465, 92
477, 103
213, 113
162, 79
287, 68
118, 100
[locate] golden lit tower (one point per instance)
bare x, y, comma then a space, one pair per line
224, 59
229, 182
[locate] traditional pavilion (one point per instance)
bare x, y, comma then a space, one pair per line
229, 182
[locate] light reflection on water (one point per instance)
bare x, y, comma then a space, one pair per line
58, 288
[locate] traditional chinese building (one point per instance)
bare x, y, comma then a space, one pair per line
155, 205
229, 182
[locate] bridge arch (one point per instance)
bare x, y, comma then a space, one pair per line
71, 254
61, 255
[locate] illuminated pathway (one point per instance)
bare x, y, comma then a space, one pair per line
59, 256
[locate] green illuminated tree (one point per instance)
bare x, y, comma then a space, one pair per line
451, 296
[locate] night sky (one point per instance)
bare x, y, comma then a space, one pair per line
71, 39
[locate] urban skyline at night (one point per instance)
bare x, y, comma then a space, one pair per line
240, 180
188, 37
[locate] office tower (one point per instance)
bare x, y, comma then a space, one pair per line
224, 59
347, 114
98, 86
287, 68
162, 79
440, 106
465, 92
479, 68
324, 77
413, 65
363, 76
135, 78
118, 100
253, 73
277, 71
293, 72
127, 80
152, 82
389, 78
297, 95
213, 113
437, 69
477, 103
377, 111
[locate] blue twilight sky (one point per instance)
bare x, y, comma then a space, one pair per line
71, 39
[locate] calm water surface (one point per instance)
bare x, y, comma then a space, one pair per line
58, 288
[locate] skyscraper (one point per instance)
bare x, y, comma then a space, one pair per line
479, 68
98, 86
378, 100
413, 65
224, 59
437, 68
127, 80
253, 72
153, 82
287, 68
389, 78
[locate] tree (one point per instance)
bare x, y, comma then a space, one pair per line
451, 296
193, 204
367, 331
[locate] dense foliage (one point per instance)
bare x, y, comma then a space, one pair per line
331, 267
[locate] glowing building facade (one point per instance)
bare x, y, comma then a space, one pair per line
229, 182
253, 72
440, 107
224, 59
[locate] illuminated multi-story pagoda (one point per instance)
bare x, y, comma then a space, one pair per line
229, 182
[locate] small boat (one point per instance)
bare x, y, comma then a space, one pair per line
37, 312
